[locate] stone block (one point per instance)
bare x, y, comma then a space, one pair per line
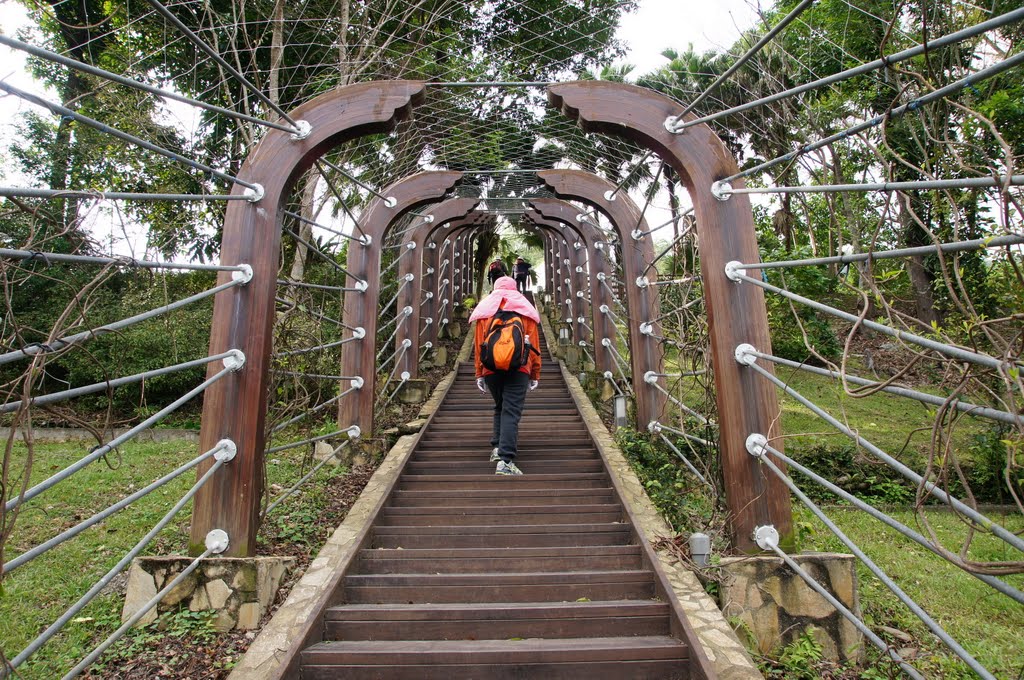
441, 356
240, 590
775, 605
454, 329
413, 391
413, 426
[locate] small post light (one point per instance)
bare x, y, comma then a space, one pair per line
563, 334
620, 411
700, 549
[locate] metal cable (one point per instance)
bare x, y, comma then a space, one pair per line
941, 347
62, 343
213, 54
103, 450
983, 522
952, 88
111, 384
35, 552
115, 195
965, 183
949, 39
309, 475
319, 407
879, 573
682, 457
136, 84
311, 440
65, 112
966, 407
995, 583
104, 581
119, 261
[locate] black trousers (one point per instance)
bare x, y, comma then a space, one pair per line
521, 282
509, 393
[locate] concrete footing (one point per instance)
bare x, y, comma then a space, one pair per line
772, 606
239, 589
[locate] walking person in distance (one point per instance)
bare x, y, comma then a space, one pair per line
495, 271
521, 269
507, 365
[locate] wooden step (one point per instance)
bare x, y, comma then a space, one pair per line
499, 587
515, 515
503, 497
487, 560
534, 536
459, 621
650, 657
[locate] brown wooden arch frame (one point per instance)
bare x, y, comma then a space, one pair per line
360, 358
234, 408
577, 274
597, 255
645, 352
412, 264
736, 314
450, 293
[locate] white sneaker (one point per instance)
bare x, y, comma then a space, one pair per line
507, 469
494, 455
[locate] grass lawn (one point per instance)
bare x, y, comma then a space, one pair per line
988, 624
36, 594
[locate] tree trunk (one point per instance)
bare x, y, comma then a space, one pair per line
276, 52
921, 279
298, 271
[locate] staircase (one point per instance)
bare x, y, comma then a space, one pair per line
467, 574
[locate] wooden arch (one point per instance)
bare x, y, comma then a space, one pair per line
736, 313
235, 407
361, 311
645, 352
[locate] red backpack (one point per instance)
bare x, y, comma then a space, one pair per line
505, 346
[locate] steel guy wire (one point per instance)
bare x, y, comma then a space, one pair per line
952, 247
322, 255
314, 376
936, 184
427, 322
213, 54
637, 234
119, 261
292, 490
610, 195
948, 39
396, 355
338, 197
992, 581
846, 613
138, 85
401, 314
951, 89
111, 384
941, 402
388, 201
314, 223
319, 407
682, 456
316, 286
57, 345
124, 136
29, 555
405, 283
797, 11
104, 581
920, 613
311, 440
100, 451
614, 353
137, 616
686, 409
983, 522
115, 195
319, 348
406, 344
941, 347
394, 262
315, 314
405, 379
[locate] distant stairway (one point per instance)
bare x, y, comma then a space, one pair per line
472, 575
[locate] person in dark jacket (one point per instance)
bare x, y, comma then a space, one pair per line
521, 269
496, 271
